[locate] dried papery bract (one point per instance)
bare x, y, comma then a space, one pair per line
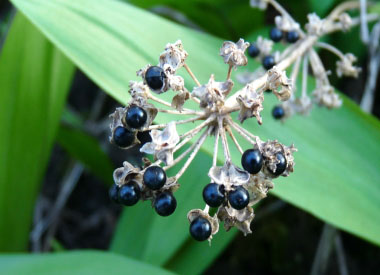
236, 190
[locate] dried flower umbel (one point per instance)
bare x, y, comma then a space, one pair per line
301, 50
232, 190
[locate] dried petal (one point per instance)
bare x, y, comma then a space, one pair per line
229, 175
250, 102
325, 95
258, 187
138, 90
264, 45
127, 173
163, 143
233, 53
179, 100
346, 21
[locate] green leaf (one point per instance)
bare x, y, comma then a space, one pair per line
87, 150
336, 171
76, 262
34, 81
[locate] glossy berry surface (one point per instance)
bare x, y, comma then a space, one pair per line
281, 166
123, 137
154, 177
292, 36
200, 229
129, 194
278, 112
155, 77
136, 117
252, 161
113, 193
268, 62
213, 194
238, 198
253, 50
165, 204
275, 34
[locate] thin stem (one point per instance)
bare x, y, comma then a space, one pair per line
191, 74
163, 102
229, 72
193, 154
293, 77
184, 112
364, 32
216, 148
188, 150
200, 126
342, 8
234, 124
234, 140
178, 122
240, 132
226, 150
305, 65
330, 48
206, 209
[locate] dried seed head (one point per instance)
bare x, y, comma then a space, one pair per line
258, 187
163, 143
345, 66
251, 103
174, 56
138, 90
279, 84
127, 173
325, 95
264, 45
346, 21
315, 25
233, 53
285, 23
213, 93
241, 219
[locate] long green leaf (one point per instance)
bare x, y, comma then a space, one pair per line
87, 150
336, 172
76, 262
34, 81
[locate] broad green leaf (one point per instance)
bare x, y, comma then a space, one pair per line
34, 81
337, 163
87, 150
75, 262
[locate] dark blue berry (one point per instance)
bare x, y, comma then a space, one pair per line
136, 117
200, 229
129, 194
154, 177
278, 112
123, 137
252, 161
292, 36
213, 194
155, 78
238, 198
275, 34
144, 137
113, 193
281, 166
268, 62
165, 204
253, 50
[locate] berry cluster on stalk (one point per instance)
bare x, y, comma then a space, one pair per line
233, 188
288, 32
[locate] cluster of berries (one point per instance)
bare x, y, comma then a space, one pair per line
276, 35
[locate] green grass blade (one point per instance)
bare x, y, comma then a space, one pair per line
87, 150
76, 262
34, 81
